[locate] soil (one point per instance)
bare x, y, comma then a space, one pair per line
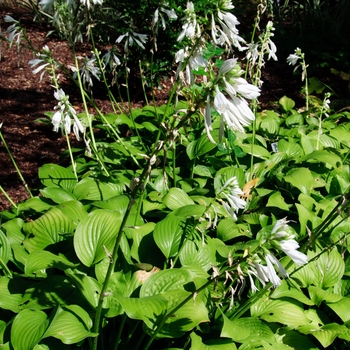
24, 99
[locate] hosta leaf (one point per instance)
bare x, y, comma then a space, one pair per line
53, 175
167, 234
11, 291
256, 150
276, 200
95, 190
199, 147
326, 334
47, 293
324, 156
164, 281
94, 234
57, 194
190, 315
5, 249
71, 324
149, 309
47, 229
177, 198
228, 229
36, 203
293, 150
27, 329
318, 295
286, 103
297, 340
13, 230
288, 311
41, 260
246, 328
300, 178
74, 210
341, 308
215, 344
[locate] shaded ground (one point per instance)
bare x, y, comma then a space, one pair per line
23, 99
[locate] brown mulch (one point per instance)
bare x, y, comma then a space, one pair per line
24, 99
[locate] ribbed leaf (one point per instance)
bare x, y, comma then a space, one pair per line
11, 291
164, 281
5, 249
324, 156
341, 308
57, 194
46, 230
36, 203
27, 329
276, 200
177, 198
287, 311
147, 309
199, 147
246, 328
167, 235
318, 295
47, 293
300, 178
92, 189
13, 229
215, 344
71, 324
53, 175
41, 260
94, 234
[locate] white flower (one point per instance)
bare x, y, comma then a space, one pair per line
242, 87
227, 66
298, 257
158, 13
189, 28
88, 4
293, 59
232, 192
271, 272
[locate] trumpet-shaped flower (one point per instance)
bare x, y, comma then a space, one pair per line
235, 111
232, 193
158, 13
282, 239
130, 38
189, 28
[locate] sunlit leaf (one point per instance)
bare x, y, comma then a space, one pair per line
276, 200
95, 234
300, 178
199, 147
286, 103
71, 324
53, 175
177, 198
27, 329
215, 344
57, 194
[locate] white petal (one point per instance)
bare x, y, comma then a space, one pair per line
298, 257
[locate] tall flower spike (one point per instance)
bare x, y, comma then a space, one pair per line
189, 28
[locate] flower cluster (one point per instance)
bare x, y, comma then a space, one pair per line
282, 238
88, 70
131, 38
234, 111
190, 27
159, 14
62, 117
230, 196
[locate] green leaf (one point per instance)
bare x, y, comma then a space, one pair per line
71, 324
318, 295
341, 308
53, 175
190, 210
5, 248
256, 150
324, 156
48, 293
13, 230
95, 190
228, 229
148, 309
41, 260
35, 203
27, 329
94, 234
287, 311
300, 178
286, 103
11, 291
215, 344
47, 229
199, 147
57, 194
276, 200
246, 328
293, 150
177, 198
165, 280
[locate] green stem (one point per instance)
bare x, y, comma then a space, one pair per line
120, 330
7, 197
